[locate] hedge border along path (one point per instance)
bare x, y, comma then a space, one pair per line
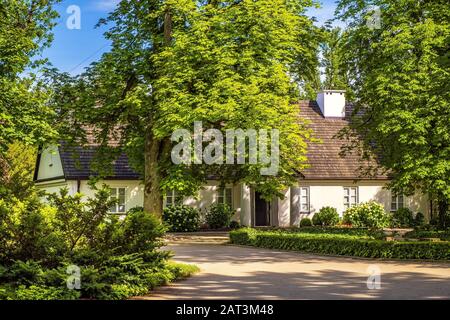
341, 245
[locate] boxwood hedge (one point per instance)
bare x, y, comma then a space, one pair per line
341, 245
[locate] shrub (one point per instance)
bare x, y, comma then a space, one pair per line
341, 245
422, 234
117, 259
219, 216
327, 216
305, 222
235, 224
181, 218
403, 217
369, 214
419, 220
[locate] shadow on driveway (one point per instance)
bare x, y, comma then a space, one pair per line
232, 272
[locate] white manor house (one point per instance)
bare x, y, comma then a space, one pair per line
330, 180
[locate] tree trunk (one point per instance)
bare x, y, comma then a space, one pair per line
153, 202
442, 208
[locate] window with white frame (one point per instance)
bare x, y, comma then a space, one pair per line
225, 196
173, 198
118, 194
350, 196
397, 202
304, 199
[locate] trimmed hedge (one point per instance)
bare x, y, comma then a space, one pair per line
421, 234
341, 245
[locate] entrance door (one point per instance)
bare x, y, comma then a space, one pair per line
262, 211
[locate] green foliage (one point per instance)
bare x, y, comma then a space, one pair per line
403, 217
422, 234
346, 231
24, 31
305, 222
234, 224
341, 245
181, 218
16, 171
229, 65
369, 214
219, 216
399, 74
327, 216
419, 219
117, 258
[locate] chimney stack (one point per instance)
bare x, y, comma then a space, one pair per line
332, 103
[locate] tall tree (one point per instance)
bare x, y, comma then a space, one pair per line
332, 60
397, 55
227, 64
24, 30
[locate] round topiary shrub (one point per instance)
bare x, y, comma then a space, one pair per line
305, 222
219, 216
403, 217
327, 216
181, 218
366, 215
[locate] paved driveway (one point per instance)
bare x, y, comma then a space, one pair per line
232, 272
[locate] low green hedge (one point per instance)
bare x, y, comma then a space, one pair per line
421, 234
341, 245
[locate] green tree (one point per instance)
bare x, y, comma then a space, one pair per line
227, 64
399, 70
19, 162
24, 30
332, 60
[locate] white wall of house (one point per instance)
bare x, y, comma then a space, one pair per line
50, 164
324, 193
321, 193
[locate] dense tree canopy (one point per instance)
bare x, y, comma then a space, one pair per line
399, 71
227, 64
24, 30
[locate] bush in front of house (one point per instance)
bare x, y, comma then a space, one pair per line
419, 219
181, 218
219, 216
235, 224
402, 218
327, 216
305, 222
42, 245
366, 215
341, 245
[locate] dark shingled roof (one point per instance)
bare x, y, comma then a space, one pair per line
76, 164
324, 159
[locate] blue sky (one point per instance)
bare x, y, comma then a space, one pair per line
73, 50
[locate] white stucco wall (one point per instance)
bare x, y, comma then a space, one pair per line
321, 193
331, 193
50, 164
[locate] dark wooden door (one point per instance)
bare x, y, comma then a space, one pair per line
262, 211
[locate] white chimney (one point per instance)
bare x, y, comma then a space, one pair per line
332, 103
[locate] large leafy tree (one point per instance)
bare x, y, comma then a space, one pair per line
229, 64
332, 60
24, 30
399, 68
